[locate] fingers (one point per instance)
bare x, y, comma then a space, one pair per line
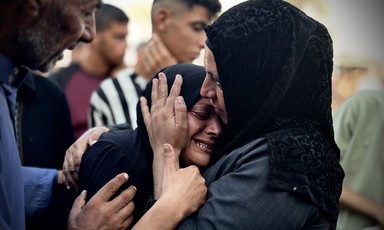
162, 90
145, 111
79, 202
68, 168
171, 161
125, 214
175, 92
124, 199
154, 93
108, 190
181, 113
176, 87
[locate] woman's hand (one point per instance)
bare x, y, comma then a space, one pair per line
165, 123
184, 189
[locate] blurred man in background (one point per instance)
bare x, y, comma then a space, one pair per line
178, 37
105, 54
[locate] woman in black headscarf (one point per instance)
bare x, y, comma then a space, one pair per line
269, 72
129, 150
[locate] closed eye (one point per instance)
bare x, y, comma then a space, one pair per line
201, 116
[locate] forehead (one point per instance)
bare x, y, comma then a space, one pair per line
195, 14
87, 4
209, 61
202, 102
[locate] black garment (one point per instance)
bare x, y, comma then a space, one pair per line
64, 75
44, 133
127, 150
44, 123
275, 65
119, 151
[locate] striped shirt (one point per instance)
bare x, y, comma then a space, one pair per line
114, 102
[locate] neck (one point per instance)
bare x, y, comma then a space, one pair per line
96, 65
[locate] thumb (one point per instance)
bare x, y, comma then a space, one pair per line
171, 162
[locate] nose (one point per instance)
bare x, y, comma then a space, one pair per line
202, 39
214, 127
89, 30
208, 88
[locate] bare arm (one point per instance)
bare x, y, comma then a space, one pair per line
183, 192
363, 205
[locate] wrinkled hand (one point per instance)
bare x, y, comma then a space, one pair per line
99, 212
74, 153
183, 189
166, 122
155, 58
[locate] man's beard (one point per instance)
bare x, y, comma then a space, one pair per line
33, 48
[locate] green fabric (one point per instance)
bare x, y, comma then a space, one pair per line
359, 133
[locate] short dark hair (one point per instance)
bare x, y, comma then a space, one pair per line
107, 14
213, 6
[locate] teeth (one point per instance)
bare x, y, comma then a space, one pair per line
202, 145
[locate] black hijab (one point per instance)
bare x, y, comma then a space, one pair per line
275, 65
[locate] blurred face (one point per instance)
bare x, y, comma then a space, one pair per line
212, 88
61, 26
184, 35
204, 129
113, 43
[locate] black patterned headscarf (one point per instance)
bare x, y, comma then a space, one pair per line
275, 66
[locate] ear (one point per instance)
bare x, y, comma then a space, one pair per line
31, 11
161, 19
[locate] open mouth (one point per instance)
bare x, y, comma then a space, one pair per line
204, 146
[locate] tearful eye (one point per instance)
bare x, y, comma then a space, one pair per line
201, 116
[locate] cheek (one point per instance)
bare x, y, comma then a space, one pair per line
185, 157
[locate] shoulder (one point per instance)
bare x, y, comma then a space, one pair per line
245, 156
122, 76
363, 103
62, 75
46, 85
251, 150
366, 96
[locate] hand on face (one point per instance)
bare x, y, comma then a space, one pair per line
167, 120
155, 58
74, 153
99, 212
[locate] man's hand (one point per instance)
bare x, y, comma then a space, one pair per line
73, 155
99, 212
155, 58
